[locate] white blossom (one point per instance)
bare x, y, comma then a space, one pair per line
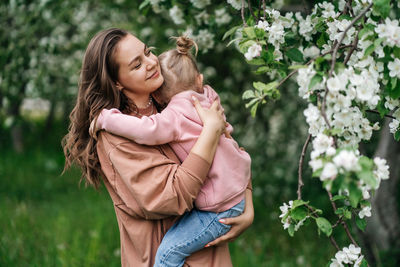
262, 24
200, 3
391, 103
202, 17
316, 164
365, 212
394, 126
205, 40
390, 32
276, 33
328, 10
394, 67
176, 15
382, 169
347, 160
322, 142
253, 51
221, 17
329, 171
236, 4
311, 52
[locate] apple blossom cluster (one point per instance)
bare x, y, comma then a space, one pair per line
287, 220
389, 32
274, 26
348, 255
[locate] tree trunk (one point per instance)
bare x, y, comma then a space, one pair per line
382, 231
16, 129
50, 117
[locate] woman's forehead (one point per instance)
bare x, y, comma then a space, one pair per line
129, 48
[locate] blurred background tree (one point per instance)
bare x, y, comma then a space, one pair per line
47, 220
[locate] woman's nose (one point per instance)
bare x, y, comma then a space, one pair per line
151, 62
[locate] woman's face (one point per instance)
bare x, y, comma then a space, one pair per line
139, 70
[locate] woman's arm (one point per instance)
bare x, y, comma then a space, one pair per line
239, 224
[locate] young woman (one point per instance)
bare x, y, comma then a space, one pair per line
150, 188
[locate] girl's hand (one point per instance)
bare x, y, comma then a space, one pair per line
239, 224
212, 117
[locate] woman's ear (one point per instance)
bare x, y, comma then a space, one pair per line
119, 86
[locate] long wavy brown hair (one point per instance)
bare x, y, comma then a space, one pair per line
97, 90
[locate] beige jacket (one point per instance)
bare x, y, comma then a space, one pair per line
150, 189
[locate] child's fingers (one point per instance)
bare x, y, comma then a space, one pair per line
197, 105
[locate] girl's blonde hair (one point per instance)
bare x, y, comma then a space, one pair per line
179, 70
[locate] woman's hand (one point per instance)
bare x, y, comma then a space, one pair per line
239, 224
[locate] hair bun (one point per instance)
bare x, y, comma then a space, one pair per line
184, 44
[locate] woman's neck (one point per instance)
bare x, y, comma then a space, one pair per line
141, 101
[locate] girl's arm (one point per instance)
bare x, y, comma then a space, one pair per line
157, 129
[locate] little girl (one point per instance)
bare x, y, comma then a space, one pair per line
222, 195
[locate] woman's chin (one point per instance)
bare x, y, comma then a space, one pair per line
158, 82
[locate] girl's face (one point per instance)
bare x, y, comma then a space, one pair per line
139, 70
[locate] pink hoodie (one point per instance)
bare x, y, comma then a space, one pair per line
180, 126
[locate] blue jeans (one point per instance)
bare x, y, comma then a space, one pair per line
191, 233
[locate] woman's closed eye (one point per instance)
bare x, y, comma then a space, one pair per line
147, 53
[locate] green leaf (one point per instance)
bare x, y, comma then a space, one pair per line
394, 91
322, 39
324, 225
295, 55
364, 263
382, 7
355, 195
252, 102
262, 87
397, 135
248, 94
296, 67
369, 50
364, 31
234, 40
245, 44
291, 230
298, 203
298, 213
230, 32
317, 173
338, 197
253, 109
396, 51
144, 4
366, 163
347, 214
361, 223
262, 69
315, 80
256, 61
249, 31
368, 177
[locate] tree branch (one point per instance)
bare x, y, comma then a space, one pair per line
251, 11
346, 228
300, 175
242, 14
377, 112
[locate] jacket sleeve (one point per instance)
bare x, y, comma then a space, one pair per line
157, 129
160, 186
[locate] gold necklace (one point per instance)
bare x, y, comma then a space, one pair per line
150, 103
